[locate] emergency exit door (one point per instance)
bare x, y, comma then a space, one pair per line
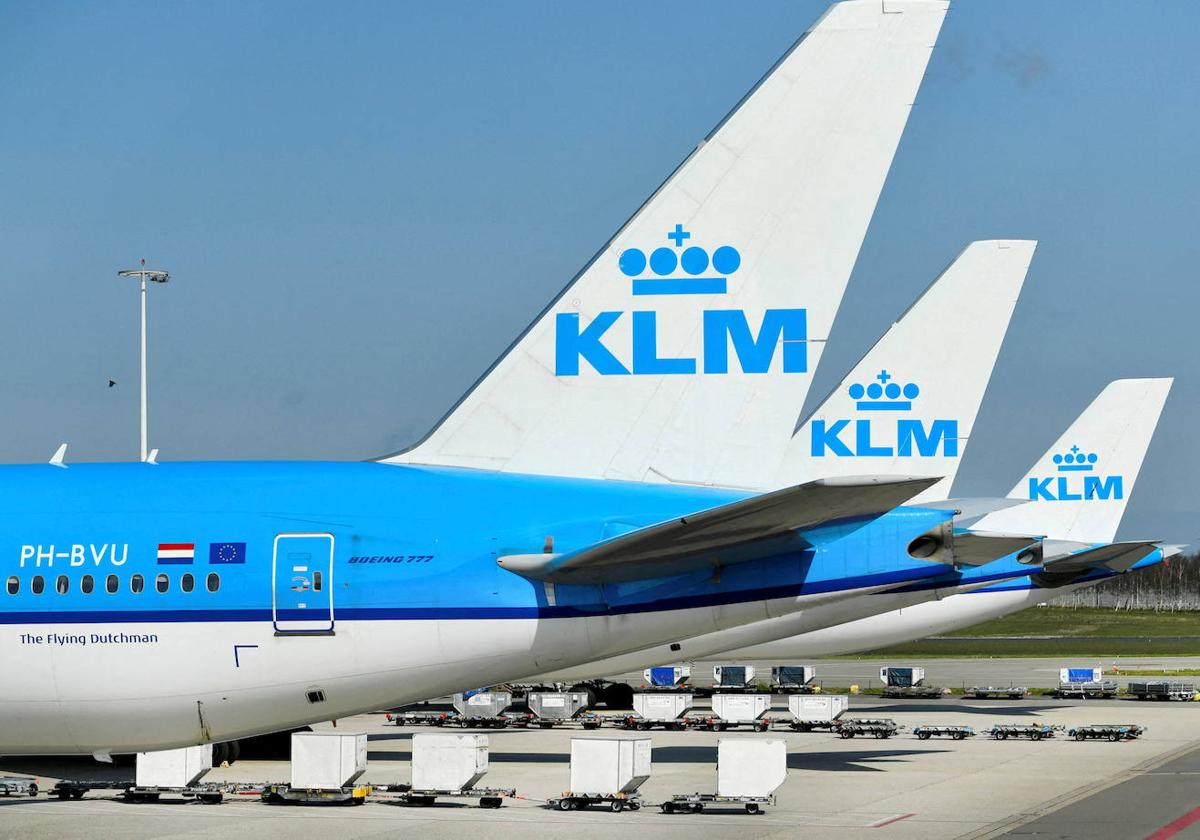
302, 584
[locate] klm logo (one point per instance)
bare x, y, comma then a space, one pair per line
887, 434
1073, 482
677, 270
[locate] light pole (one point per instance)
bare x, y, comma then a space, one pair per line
154, 276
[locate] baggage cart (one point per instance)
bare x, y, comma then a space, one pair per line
1104, 689
551, 708
12, 786
878, 727
578, 801
992, 692
484, 709
208, 794
694, 803
958, 733
735, 710
668, 676
922, 692
816, 711
1030, 731
733, 676
1107, 732
1163, 690
288, 795
408, 795
789, 679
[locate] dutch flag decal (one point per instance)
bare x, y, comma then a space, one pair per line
176, 554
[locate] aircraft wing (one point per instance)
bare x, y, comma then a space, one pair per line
731, 533
1117, 557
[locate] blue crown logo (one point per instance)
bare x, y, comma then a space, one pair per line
1076, 460
884, 395
693, 261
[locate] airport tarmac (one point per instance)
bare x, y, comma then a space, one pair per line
899, 788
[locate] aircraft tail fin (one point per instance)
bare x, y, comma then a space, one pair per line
683, 350
909, 404
1079, 488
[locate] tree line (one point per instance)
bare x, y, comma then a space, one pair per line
1173, 586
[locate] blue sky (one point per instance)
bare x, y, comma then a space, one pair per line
362, 204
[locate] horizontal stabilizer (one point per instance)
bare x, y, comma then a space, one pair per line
975, 548
721, 535
1116, 557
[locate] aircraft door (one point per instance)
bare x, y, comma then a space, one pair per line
302, 584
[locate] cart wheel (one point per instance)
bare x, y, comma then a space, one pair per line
751, 807
881, 735
1114, 736
846, 733
698, 808
77, 794
210, 798
718, 727
564, 804
1002, 736
616, 806
1079, 736
760, 727
924, 736
1037, 736
958, 736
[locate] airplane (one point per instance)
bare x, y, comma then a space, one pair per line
592, 494
1073, 508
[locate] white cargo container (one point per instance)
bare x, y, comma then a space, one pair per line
608, 766
1080, 675
793, 676
179, 768
667, 675
750, 766
818, 708
448, 762
898, 677
557, 705
656, 706
327, 760
740, 708
733, 676
483, 704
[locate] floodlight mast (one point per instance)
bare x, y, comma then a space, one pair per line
154, 276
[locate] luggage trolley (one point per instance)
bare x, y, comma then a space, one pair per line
694, 803
1031, 731
958, 733
12, 786
879, 727
407, 795
1107, 731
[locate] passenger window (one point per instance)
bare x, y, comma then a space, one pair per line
37, 586
86, 584
187, 583
111, 584
316, 581
213, 582
136, 584
162, 583
14, 584
62, 585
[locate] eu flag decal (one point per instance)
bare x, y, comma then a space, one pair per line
226, 553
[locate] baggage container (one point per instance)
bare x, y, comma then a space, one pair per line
557, 705
818, 708
750, 766
179, 768
1080, 675
667, 676
656, 706
609, 766
327, 760
733, 676
448, 762
793, 676
740, 708
1163, 690
483, 704
902, 677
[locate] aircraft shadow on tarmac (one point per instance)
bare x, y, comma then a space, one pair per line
843, 760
